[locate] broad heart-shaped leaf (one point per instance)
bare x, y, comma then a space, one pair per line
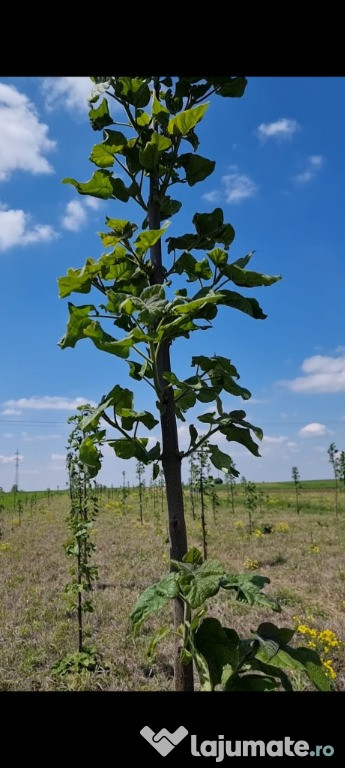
103, 154
251, 682
211, 229
297, 658
182, 123
195, 304
195, 270
78, 321
150, 154
118, 398
153, 599
193, 556
218, 646
74, 282
242, 436
247, 305
107, 343
218, 257
133, 89
273, 672
282, 635
130, 448
100, 117
228, 86
197, 168
247, 279
130, 417
89, 455
121, 228
146, 240
221, 460
100, 185
202, 583
248, 588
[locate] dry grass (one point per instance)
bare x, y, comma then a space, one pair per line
37, 629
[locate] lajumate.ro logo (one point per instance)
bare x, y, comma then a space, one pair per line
164, 742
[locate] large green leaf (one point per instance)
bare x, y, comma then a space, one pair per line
130, 448
220, 460
228, 86
202, 583
107, 343
118, 398
247, 305
146, 240
211, 229
133, 89
218, 646
247, 279
130, 417
74, 282
100, 185
182, 123
240, 435
191, 306
197, 168
103, 154
153, 599
78, 321
150, 154
100, 117
251, 682
89, 455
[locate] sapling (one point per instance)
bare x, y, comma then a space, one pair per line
250, 501
140, 473
153, 288
296, 479
83, 511
332, 453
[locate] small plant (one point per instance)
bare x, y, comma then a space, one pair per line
250, 564
221, 658
204, 466
296, 479
250, 501
140, 474
230, 486
332, 451
88, 659
83, 511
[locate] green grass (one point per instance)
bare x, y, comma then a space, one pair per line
38, 628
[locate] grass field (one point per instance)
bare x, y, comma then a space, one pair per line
305, 563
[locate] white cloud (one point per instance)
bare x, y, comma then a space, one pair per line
10, 412
58, 456
69, 93
48, 402
314, 165
269, 439
291, 444
314, 429
9, 459
76, 215
23, 138
15, 230
322, 374
235, 188
8, 434
281, 129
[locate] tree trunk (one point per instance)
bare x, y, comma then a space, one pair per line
171, 459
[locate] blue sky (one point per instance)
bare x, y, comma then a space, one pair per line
280, 180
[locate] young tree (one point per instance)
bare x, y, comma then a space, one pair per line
332, 451
296, 478
140, 469
250, 501
135, 283
341, 467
